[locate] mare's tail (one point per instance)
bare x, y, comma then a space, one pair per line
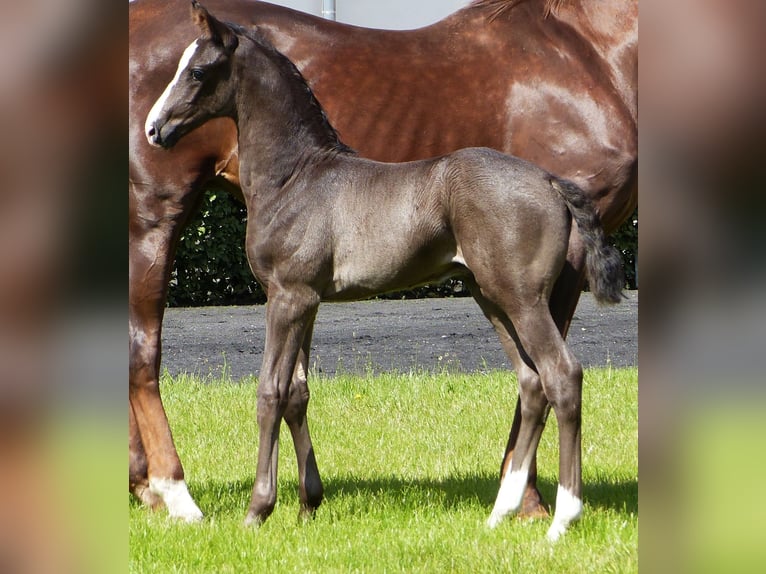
603, 263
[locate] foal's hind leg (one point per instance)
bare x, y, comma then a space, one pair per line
310, 489
561, 377
517, 476
563, 301
532, 504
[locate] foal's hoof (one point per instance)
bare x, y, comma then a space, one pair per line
256, 518
555, 532
307, 513
252, 519
532, 506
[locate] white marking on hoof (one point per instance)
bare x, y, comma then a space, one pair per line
509, 496
177, 499
568, 509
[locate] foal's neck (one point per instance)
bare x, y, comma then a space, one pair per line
282, 127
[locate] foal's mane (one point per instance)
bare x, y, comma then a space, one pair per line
499, 7
312, 114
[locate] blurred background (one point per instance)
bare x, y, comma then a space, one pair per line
63, 271
702, 322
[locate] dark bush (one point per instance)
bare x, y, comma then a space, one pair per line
626, 240
211, 267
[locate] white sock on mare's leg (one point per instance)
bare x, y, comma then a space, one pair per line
177, 499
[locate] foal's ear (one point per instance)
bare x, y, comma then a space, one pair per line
211, 28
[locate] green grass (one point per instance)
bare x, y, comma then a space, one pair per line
410, 466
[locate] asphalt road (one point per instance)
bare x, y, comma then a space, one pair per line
377, 336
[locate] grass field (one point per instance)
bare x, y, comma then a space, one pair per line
410, 466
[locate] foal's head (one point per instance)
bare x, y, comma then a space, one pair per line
200, 90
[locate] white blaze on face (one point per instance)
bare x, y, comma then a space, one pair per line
154, 113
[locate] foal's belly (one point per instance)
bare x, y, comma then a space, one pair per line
375, 269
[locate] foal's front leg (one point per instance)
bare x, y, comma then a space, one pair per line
288, 315
310, 489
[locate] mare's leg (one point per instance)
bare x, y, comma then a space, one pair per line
529, 420
310, 489
288, 316
155, 469
138, 469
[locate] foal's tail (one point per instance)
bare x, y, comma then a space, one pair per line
603, 263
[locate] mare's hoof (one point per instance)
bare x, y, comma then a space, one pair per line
257, 517
175, 495
253, 519
308, 510
306, 514
533, 506
147, 497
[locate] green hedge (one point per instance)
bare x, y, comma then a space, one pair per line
211, 267
626, 240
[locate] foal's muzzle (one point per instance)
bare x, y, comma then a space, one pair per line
155, 138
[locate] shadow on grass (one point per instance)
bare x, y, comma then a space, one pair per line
619, 496
452, 492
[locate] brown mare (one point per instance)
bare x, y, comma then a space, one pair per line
553, 82
325, 224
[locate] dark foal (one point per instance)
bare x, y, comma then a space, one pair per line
324, 224
551, 81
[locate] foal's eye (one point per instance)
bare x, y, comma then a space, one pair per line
197, 74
